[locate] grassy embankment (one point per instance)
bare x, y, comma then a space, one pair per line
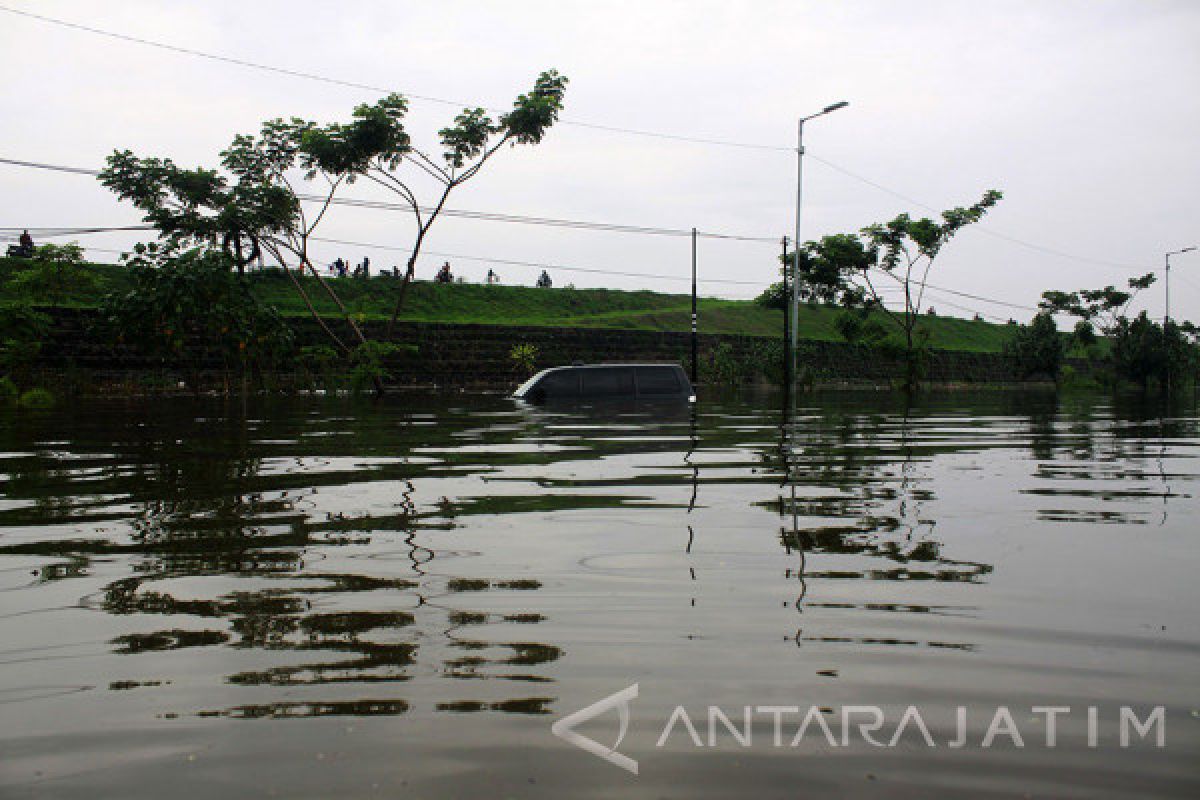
518, 305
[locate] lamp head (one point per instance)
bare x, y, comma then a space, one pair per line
835, 107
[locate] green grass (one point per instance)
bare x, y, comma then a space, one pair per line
517, 305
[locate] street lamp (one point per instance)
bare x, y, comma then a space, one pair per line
1167, 281
795, 310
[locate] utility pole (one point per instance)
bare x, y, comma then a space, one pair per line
1167, 309
787, 323
695, 321
795, 296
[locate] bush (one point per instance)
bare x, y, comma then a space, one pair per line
858, 327
367, 362
1036, 348
524, 357
22, 330
191, 306
56, 273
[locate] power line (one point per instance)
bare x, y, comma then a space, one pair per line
490, 216
312, 76
977, 227
512, 218
566, 121
535, 264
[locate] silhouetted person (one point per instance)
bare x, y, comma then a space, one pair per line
444, 275
544, 281
366, 267
492, 277
25, 245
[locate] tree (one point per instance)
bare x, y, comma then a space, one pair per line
845, 268
467, 146
190, 307
903, 249
826, 270
254, 204
55, 273
1104, 308
1037, 348
1141, 349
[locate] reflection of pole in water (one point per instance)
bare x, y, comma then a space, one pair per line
792, 541
693, 442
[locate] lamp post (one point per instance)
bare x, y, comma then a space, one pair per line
795, 309
1167, 281
1167, 309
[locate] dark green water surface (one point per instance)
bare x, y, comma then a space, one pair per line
327, 597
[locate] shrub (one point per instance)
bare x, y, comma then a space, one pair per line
36, 398
1036, 348
367, 362
191, 306
55, 273
524, 357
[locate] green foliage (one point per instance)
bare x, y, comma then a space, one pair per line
584, 307
368, 367
36, 398
849, 268
726, 366
56, 273
202, 206
858, 327
535, 112
22, 330
1103, 307
189, 306
8, 391
1037, 348
1143, 351
722, 366
524, 357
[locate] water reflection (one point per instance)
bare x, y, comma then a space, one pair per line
329, 558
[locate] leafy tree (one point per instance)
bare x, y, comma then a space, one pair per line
377, 146
827, 267
847, 268
1037, 348
1104, 308
253, 204
55, 273
1142, 350
903, 250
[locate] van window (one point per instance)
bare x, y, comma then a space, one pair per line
607, 381
563, 383
658, 380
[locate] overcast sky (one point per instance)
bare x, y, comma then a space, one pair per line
1084, 113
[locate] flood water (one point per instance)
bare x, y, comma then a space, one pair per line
328, 597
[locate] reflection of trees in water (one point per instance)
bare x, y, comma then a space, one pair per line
1114, 452
219, 500
853, 484
863, 470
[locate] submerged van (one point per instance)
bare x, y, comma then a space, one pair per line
608, 382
